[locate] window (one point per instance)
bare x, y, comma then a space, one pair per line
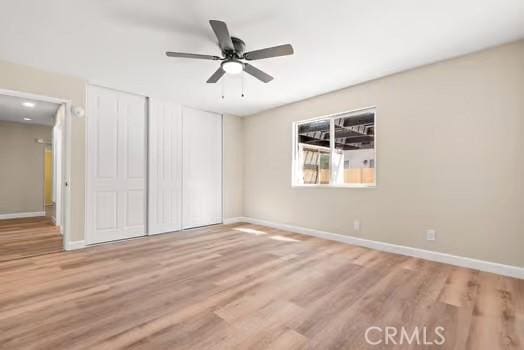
337, 150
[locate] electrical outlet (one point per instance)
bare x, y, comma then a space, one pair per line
431, 235
356, 225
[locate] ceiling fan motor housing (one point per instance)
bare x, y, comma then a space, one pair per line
240, 48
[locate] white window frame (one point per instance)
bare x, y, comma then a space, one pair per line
331, 118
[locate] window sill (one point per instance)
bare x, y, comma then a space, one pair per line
335, 186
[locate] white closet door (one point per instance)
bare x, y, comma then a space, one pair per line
165, 167
202, 168
116, 197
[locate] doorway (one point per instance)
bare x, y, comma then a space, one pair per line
32, 191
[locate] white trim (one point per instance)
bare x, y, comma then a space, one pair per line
221, 167
333, 186
22, 215
87, 185
31, 96
482, 265
74, 245
230, 221
332, 141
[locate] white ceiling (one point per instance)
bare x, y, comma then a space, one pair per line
12, 110
121, 43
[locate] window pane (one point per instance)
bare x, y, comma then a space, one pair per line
313, 153
354, 158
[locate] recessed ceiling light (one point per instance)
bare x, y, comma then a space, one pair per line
28, 104
27, 118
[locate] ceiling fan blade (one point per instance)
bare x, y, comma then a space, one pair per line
257, 73
191, 55
224, 39
216, 76
275, 51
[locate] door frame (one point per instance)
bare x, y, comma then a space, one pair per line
65, 157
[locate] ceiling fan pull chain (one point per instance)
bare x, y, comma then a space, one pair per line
222, 83
242, 83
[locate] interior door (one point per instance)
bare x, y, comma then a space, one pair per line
116, 148
202, 168
165, 167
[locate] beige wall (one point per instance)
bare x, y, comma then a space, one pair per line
449, 157
233, 167
22, 167
26, 79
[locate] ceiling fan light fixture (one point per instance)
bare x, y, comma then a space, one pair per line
232, 67
233, 54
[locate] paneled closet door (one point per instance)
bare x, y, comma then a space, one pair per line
165, 167
116, 148
202, 168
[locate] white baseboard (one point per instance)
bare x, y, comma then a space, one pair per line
22, 215
74, 245
229, 221
482, 265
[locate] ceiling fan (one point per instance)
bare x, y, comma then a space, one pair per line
233, 51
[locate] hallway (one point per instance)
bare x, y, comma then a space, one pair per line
21, 238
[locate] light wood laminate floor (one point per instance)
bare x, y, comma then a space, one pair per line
21, 238
248, 287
